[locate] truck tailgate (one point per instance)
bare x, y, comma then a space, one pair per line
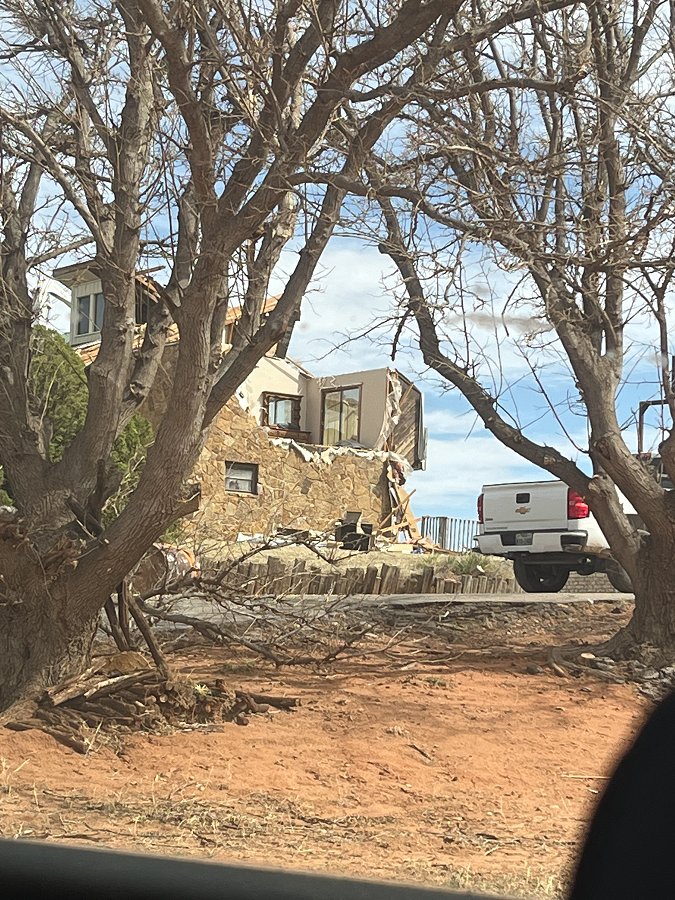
528, 506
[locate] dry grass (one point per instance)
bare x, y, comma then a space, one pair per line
525, 886
227, 829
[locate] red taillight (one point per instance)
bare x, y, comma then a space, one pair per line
577, 508
480, 508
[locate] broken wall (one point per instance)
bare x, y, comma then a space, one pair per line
272, 375
292, 492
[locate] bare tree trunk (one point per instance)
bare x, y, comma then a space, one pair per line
118, 169
41, 643
653, 620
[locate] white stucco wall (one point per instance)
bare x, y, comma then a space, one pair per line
373, 384
281, 376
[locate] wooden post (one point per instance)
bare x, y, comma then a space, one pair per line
296, 576
256, 577
243, 582
354, 577
427, 580
389, 579
467, 584
370, 580
313, 583
384, 577
326, 583
276, 570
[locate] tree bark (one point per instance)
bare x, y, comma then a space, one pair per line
40, 644
652, 625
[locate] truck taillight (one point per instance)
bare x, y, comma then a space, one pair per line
481, 499
577, 508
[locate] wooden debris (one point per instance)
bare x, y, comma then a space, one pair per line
98, 708
268, 700
422, 752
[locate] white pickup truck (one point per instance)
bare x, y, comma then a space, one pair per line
548, 531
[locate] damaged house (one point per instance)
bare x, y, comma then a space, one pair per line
290, 450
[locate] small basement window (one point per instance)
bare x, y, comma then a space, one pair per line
241, 477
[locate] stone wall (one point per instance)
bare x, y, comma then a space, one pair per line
292, 492
589, 584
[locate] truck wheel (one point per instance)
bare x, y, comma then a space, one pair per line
618, 577
537, 578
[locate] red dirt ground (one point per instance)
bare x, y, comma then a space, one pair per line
437, 762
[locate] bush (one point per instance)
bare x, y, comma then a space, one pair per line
59, 393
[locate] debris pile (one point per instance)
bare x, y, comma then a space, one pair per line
99, 708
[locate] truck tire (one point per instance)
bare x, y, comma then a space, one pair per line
543, 579
618, 577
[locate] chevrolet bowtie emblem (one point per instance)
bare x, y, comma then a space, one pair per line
522, 510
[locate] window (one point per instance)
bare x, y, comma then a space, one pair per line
242, 477
281, 411
89, 314
141, 311
89, 310
341, 413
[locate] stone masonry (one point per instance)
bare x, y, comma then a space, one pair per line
292, 492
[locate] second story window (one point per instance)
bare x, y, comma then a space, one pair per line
141, 310
89, 314
281, 411
340, 415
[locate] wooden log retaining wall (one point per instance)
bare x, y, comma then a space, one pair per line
276, 576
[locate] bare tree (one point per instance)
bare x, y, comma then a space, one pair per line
543, 153
146, 130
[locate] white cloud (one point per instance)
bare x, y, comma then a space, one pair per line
445, 421
344, 300
458, 468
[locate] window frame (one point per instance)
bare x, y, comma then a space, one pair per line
89, 292
91, 297
340, 389
296, 400
254, 472
141, 308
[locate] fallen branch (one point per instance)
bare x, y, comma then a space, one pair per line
148, 636
219, 631
268, 700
